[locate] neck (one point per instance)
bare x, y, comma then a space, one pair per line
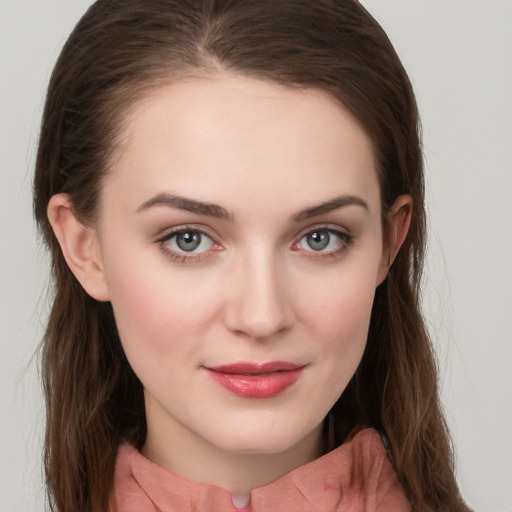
189, 456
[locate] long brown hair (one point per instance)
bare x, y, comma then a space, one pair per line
117, 52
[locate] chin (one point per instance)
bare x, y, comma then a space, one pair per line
267, 439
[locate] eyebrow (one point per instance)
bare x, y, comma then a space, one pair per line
216, 211
329, 206
189, 205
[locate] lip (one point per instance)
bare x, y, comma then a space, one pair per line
256, 380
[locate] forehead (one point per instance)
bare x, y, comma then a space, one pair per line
223, 137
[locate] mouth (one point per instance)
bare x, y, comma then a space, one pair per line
256, 380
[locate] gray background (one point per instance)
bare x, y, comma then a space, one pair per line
459, 56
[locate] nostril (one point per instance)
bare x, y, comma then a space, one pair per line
246, 320
258, 306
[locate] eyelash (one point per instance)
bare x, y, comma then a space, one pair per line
184, 257
346, 240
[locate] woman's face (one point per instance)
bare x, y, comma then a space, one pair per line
240, 241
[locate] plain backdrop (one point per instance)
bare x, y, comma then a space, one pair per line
459, 57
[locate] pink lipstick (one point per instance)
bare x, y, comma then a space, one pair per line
254, 380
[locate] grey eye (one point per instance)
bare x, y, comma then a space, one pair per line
188, 240
324, 241
318, 240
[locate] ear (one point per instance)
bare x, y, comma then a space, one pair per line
397, 227
79, 245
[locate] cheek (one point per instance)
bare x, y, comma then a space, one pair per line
344, 327
157, 307
340, 309
338, 319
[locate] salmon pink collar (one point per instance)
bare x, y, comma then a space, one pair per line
357, 476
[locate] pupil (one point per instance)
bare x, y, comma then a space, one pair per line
188, 241
318, 240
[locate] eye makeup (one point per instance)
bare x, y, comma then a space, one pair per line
187, 244
323, 242
190, 244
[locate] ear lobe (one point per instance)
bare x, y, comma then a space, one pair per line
399, 221
79, 246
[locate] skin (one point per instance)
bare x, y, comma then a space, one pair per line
255, 289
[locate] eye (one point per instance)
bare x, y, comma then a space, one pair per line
187, 244
318, 240
325, 241
190, 241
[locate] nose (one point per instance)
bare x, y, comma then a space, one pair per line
258, 307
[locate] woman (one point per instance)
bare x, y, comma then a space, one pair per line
232, 193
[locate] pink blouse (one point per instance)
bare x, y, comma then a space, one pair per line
356, 477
